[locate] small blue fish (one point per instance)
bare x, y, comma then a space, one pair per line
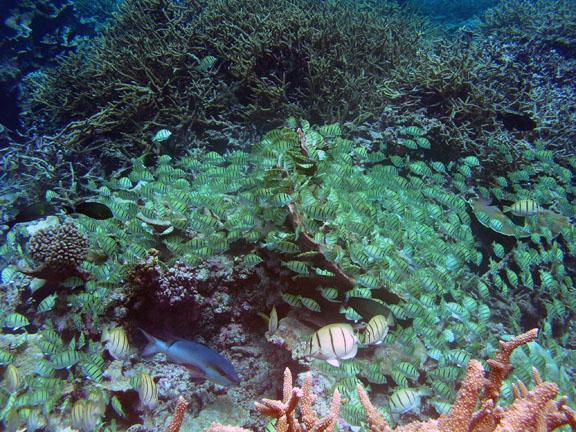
200, 360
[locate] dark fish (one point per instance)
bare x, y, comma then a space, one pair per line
515, 121
92, 209
42, 209
199, 359
34, 211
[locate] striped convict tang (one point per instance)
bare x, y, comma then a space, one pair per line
147, 391
85, 415
78, 411
116, 343
404, 400
333, 343
12, 379
273, 321
376, 330
524, 208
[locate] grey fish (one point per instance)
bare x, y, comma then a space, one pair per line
200, 360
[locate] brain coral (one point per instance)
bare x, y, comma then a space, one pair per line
62, 247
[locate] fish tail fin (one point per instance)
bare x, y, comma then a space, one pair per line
68, 209
154, 346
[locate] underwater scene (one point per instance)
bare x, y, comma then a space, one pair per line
288, 215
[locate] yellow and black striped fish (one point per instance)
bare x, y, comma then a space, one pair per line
117, 343
147, 391
65, 359
376, 330
78, 411
12, 379
332, 343
273, 321
85, 415
524, 208
404, 400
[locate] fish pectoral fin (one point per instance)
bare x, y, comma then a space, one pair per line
333, 362
195, 373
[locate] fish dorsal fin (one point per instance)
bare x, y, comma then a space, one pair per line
154, 346
174, 339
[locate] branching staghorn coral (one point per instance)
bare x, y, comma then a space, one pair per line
271, 59
179, 411
285, 410
533, 410
539, 22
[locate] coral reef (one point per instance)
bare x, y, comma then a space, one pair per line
284, 411
176, 284
248, 74
179, 412
453, 14
224, 74
58, 251
32, 36
99, 11
201, 67
63, 247
327, 227
537, 23
533, 410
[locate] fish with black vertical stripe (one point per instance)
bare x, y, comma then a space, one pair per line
116, 343
526, 207
147, 391
376, 330
333, 343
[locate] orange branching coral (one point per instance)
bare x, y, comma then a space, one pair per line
179, 412
375, 419
284, 410
463, 408
532, 411
500, 366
